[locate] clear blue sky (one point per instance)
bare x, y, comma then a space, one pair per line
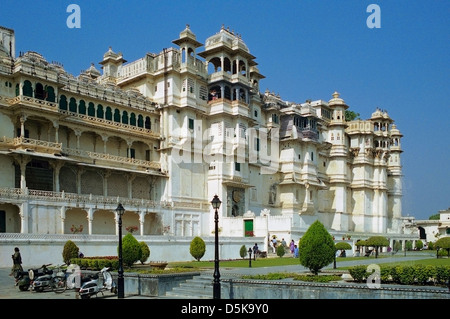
307, 49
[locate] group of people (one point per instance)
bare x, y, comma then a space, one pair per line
292, 246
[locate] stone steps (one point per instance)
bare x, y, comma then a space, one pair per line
199, 287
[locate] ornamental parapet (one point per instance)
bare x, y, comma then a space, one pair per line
29, 143
73, 198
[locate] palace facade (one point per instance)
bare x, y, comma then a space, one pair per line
165, 133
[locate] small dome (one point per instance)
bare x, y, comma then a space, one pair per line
336, 100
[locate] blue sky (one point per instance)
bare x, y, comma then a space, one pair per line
307, 49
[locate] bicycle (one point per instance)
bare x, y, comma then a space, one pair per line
65, 279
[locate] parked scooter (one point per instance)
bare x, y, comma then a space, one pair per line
24, 279
91, 286
49, 279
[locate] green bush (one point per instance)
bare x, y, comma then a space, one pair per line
281, 251
145, 252
442, 274
316, 248
243, 251
197, 248
70, 251
359, 273
419, 244
131, 250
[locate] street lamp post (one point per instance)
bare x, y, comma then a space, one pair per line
250, 257
216, 284
120, 282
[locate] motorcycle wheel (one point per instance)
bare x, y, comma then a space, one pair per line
24, 287
38, 289
85, 296
59, 284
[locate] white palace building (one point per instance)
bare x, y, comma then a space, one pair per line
165, 133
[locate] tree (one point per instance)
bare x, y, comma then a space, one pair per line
343, 246
70, 251
443, 243
197, 248
145, 252
419, 244
435, 217
376, 242
243, 251
131, 250
350, 115
316, 248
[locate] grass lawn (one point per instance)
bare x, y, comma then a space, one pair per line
285, 261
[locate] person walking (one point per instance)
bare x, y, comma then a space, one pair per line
17, 263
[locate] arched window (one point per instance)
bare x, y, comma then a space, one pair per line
117, 115
39, 91
133, 119
27, 88
100, 113
140, 121
108, 113
50, 94
91, 109
82, 107
73, 105
62, 102
17, 89
148, 123
125, 117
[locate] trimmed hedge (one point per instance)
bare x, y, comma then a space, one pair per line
405, 275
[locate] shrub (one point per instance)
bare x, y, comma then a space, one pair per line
419, 244
131, 250
281, 251
145, 252
316, 248
197, 248
358, 273
70, 251
243, 251
405, 274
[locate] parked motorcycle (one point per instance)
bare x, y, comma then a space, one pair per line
97, 283
25, 279
51, 279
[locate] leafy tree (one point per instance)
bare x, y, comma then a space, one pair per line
377, 242
435, 217
145, 252
281, 251
443, 243
243, 251
419, 244
350, 115
70, 251
197, 248
316, 248
397, 246
343, 246
131, 250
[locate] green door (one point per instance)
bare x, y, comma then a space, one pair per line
248, 227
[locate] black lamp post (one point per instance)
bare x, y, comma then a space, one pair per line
250, 257
120, 284
216, 284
